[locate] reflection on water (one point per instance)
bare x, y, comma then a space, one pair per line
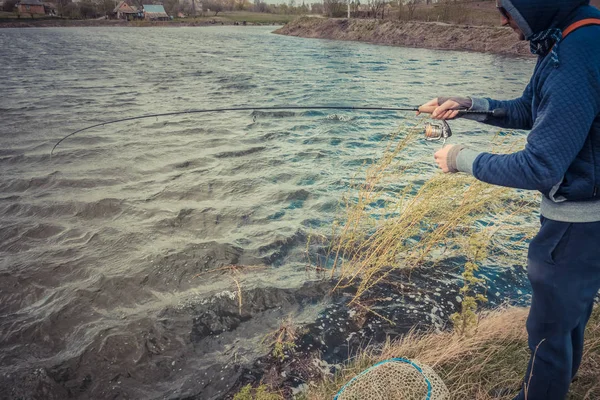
101, 243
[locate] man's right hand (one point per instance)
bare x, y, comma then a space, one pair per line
448, 109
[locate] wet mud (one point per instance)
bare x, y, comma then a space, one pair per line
421, 299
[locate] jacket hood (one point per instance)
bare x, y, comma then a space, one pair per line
534, 16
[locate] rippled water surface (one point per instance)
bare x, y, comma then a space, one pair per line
100, 243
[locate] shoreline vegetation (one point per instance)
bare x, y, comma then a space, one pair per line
421, 34
486, 365
479, 352
224, 18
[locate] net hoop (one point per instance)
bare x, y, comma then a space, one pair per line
400, 360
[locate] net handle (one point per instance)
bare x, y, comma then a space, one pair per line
402, 360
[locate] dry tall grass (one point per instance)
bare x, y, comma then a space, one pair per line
446, 215
384, 228
478, 367
489, 365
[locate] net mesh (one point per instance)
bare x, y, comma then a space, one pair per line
397, 379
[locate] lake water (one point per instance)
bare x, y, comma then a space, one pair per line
101, 243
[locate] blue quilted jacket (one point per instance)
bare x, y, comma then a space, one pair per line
561, 107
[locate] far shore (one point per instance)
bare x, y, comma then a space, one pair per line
78, 23
430, 35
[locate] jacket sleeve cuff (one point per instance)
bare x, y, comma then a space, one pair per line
452, 156
478, 104
465, 159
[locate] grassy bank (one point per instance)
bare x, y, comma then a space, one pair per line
385, 228
241, 16
477, 367
431, 35
487, 365
472, 13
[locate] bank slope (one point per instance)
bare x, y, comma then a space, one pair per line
430, 35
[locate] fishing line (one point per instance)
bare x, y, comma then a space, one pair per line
495, 113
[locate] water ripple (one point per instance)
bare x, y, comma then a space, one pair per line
102, 243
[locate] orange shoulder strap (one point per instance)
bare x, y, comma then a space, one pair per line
579, 24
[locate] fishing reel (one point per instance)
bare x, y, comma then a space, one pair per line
437, 132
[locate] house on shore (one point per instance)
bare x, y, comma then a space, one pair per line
33, 7
125, 11
50, 9
154, 12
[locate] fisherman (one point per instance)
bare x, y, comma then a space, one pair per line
561, 108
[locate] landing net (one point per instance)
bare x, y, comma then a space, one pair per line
395, 379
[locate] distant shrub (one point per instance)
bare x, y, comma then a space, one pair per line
9, 5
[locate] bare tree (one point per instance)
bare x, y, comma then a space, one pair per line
87, 9
215, 6
411, 6
104, 7
334, 8
400, 10
9, 5
354, 7
377, 7
316, 8
172, 7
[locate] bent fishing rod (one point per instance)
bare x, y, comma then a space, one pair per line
432, 131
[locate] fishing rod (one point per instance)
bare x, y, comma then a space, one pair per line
432, 131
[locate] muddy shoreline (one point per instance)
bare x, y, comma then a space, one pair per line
419, 300
429, 35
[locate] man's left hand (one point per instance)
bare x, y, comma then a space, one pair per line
441, 158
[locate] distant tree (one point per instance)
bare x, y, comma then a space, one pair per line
172, 7
87, 9
354, 7
260, 6
215, 6
70, 10
61, 5
411, 6
316, 8
104, 7
303, 9
334, 8
400, 10
377, 7
9, 5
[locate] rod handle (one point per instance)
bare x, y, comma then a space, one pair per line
496, 113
